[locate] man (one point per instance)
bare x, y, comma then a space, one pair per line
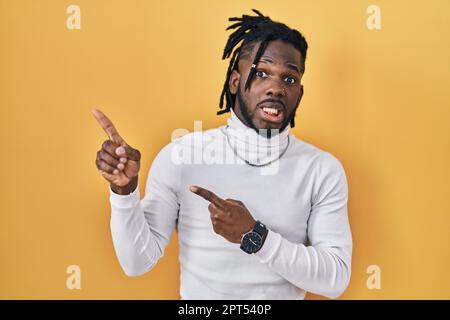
243, 234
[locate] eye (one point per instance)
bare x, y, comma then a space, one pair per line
290, 80
261, 73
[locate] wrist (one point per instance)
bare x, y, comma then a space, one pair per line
127, 189
252, 241
264, 236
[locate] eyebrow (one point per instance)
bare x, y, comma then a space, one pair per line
289, 64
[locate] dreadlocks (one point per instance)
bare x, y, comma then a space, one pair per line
252, 29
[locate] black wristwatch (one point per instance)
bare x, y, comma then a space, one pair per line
253, 240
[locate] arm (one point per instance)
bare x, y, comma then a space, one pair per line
141, 229
324, 267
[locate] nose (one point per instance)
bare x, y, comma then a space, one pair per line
275, 89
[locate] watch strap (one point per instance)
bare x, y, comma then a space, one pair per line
260, 228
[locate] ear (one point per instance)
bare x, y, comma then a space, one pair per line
234, 81
301, 95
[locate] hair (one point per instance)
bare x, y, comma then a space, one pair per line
252, 29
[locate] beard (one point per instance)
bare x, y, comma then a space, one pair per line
248, 117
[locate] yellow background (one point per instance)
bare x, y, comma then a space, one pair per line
378, 100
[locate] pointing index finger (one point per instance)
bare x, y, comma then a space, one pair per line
208, 196
108, 126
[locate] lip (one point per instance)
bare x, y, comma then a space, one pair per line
270, 103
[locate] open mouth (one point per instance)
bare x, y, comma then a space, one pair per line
272, 113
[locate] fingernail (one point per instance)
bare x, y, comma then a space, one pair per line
120, 166
120, 150
116, 171
123, 160
193, 188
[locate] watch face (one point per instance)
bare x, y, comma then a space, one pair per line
251, 242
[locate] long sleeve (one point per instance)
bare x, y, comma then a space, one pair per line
141, 229
324, 266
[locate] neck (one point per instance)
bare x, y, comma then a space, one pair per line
252, 146
262, 135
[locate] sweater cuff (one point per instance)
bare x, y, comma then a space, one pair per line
124, 201
270, 246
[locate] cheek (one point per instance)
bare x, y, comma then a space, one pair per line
249, 101
251, 104
295, 98
253, 97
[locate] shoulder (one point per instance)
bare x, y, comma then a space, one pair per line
324, 162
191, 139
187, 143
187, 139
328, 175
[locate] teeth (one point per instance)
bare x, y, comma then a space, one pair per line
270, 110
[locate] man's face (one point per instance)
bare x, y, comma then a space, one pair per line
275, 91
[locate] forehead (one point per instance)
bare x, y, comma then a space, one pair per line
278, 51
282, 51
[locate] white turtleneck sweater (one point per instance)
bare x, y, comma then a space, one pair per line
301, 198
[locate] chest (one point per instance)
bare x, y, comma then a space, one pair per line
282, 201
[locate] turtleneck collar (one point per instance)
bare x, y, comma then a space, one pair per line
241, 131
251, 146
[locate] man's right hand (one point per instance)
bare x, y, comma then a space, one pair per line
117, 162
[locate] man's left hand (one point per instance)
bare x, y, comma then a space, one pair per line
230, 218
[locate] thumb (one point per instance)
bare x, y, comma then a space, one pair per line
126, 151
